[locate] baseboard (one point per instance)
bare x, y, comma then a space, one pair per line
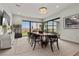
5, 48
69, 41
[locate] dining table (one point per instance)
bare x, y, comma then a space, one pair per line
43, 37
46, 38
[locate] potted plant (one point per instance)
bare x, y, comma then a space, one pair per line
4, 28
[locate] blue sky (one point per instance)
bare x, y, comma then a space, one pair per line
25, 24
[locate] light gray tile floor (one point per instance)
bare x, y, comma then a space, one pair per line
22, 48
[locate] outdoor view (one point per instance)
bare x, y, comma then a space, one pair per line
35, 27
25, 28
49, 26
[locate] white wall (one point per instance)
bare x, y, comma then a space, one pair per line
2, 7
8, 12
10, 15
17, 19
67, 34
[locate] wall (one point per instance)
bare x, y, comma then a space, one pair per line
0, 24
5, 8
2, 7
67, 34
17, 19
8, 13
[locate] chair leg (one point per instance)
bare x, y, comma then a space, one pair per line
34, 46
57, 45
46, 43
51, 46
28, 40
41, 43
31, 44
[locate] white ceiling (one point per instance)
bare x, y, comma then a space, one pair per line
32, 9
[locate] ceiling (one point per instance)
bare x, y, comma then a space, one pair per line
32, 9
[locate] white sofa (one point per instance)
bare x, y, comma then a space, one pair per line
5, 41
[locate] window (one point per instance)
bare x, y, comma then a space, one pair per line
50, 26
55, 26
25, 27
35, 26
45, 27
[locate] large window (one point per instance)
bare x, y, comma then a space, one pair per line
25, 28
35, 26
50, 26
45, 27
55, 26
30, 26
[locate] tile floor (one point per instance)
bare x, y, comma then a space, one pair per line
21, 47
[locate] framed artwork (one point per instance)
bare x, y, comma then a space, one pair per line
71, 22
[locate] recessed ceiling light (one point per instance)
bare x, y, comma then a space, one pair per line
57, 6
43, 10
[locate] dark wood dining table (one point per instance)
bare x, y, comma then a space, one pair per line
46, 38
43, 37
43, 34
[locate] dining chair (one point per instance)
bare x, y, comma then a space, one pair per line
52, 39
36, 39
44, 41
30, 37
41, 32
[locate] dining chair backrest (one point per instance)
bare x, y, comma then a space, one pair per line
36, 35
30, 35
52, 37
41, 32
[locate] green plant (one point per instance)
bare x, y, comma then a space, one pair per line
4, 26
